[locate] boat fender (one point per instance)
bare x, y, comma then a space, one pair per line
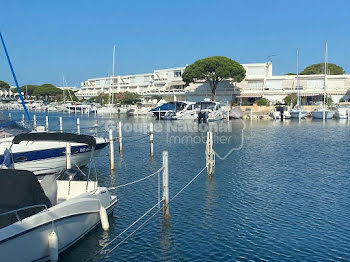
104, 219
53, 246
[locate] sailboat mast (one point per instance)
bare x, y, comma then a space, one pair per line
325, 75
298, 83
64, 95
112, 81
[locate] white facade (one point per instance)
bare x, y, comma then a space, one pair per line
259, 82
70, 88
159, 82
7, 94
140, 83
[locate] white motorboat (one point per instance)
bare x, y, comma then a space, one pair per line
39, 221
342, 111
41, 157
210, 111
275, 114
110, 109
168, 110
143, 111
294, 113
318, 113
79, 108
189, 112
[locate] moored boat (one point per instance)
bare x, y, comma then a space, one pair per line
342, 111
43, 220
43, 156
318, 113
294, 113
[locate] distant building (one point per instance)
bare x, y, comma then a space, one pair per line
259, 82
6, 94
70, 88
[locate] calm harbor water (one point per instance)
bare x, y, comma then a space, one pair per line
284, 196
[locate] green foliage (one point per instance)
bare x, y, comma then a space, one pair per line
262, 102
329, 100
291, 99
3, 84
101, 98
332, 69
45, 91
213, 70
290, 74
126, 98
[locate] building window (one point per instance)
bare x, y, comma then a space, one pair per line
255, 85
177, 74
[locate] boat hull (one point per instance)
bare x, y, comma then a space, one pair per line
319, 114
47, 157
71, 222
295, 114
341, 113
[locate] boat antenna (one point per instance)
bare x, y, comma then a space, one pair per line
14, 77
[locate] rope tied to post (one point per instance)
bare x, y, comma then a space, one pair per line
137, 181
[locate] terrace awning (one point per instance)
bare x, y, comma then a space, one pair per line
177, 83
249, 95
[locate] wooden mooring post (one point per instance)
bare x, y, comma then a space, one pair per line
61, 125
68, 156
120, 138
78, 126
166, 213
228, 112
111, 150
47, 123
151, 139
210, 162
34, 121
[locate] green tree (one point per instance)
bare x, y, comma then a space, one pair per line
291, 99
3, 84
101, 98
213, 70
329, 100
290, 74
315, 69
126, 98
262, 102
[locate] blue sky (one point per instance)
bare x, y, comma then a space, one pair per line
47, 39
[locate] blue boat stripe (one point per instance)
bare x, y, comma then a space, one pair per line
49, 153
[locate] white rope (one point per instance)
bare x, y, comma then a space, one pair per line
126, 229
140, 226
144, 223
178, 193
136, 181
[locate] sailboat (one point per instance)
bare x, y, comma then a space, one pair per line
298, 112
109, 108
323, 112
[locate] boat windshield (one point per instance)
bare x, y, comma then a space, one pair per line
11, 128
206, 105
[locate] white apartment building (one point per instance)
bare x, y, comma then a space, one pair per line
259, 82
6, 94
159, 82
139, 83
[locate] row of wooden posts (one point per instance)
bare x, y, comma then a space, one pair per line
209, 154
